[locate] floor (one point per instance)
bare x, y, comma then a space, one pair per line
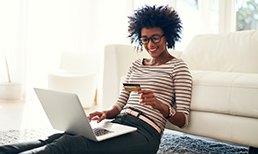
22, 114
18, 115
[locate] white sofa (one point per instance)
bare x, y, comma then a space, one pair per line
224, 68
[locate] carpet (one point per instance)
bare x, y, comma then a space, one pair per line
170, 142
188, 144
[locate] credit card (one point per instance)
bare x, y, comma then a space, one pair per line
132, 86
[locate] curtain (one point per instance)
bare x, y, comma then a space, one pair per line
204, 7
13, 41
35, 33
227, 16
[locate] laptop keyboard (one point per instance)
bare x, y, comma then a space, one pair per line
101, 131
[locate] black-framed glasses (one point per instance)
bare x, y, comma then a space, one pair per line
154, 39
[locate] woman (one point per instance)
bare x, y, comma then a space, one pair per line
165, 93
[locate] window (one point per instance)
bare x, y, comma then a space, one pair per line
198, 17
138, 3
246, 15
188, 12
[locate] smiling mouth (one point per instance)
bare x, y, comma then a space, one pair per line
153, 50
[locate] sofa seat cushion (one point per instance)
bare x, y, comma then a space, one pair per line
229, 128
225, 92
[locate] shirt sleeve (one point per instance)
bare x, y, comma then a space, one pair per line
124, 95
182, 81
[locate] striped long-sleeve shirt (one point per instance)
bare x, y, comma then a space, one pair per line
171, 83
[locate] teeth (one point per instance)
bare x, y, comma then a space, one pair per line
153, 49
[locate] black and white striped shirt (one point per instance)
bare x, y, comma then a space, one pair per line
170, 82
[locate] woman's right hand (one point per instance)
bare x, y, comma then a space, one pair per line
101, 115
97, 115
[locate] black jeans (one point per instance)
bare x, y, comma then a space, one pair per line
145, 140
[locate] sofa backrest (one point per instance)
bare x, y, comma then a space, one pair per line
232, 52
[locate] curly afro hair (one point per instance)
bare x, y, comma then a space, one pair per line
155, 16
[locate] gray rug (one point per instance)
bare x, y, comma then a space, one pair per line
188, 144
170, 142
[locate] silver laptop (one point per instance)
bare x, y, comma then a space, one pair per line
65, 113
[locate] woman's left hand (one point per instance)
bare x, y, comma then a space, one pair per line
148, 98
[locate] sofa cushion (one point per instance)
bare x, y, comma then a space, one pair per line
232, 52
225, 92
236, 129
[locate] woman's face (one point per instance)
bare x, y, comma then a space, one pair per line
154, 49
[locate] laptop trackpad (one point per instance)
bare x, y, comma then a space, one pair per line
101, 128
113, 128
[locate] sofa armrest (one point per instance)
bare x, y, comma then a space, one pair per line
117, 59
82, 84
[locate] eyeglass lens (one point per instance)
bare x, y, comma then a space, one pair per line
154, 39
